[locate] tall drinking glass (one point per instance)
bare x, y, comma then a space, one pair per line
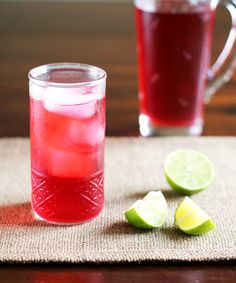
67, 130
174, 49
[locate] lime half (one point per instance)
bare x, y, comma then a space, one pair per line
148, 213
191, 219
188, 171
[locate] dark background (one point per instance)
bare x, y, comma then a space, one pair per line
101, 34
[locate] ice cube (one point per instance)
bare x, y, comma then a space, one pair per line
183, 102
154, 78
71, 164
88, 132
70, 102
148, 6
77, 135
187, 55
155, 24
36, 91
82, 111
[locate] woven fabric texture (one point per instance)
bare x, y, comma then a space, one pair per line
134, 166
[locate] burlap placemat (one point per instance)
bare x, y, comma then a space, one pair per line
133, 167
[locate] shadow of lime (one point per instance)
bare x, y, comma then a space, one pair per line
122, 228
169, 194
174, 234
170, 235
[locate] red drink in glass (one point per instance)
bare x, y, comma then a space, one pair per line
173, 43
67, 129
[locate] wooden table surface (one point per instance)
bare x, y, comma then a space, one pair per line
101, 34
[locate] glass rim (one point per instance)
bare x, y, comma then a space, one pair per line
153, 5
157, 2
43, 69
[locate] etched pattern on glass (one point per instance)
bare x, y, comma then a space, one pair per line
88, 193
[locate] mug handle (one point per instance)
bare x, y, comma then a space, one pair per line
223, 69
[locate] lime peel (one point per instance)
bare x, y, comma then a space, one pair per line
191, 219
149, 212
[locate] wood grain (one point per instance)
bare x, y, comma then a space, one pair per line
163, 273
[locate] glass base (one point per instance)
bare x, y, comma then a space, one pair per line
36, 216
149, 129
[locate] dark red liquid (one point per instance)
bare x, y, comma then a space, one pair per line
174, 54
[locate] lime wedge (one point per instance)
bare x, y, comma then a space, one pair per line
148, 213
191, 219
188, 171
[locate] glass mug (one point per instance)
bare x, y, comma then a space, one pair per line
67, 131
173, 45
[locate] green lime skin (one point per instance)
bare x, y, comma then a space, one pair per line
136, 220
182, 190
205, 227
